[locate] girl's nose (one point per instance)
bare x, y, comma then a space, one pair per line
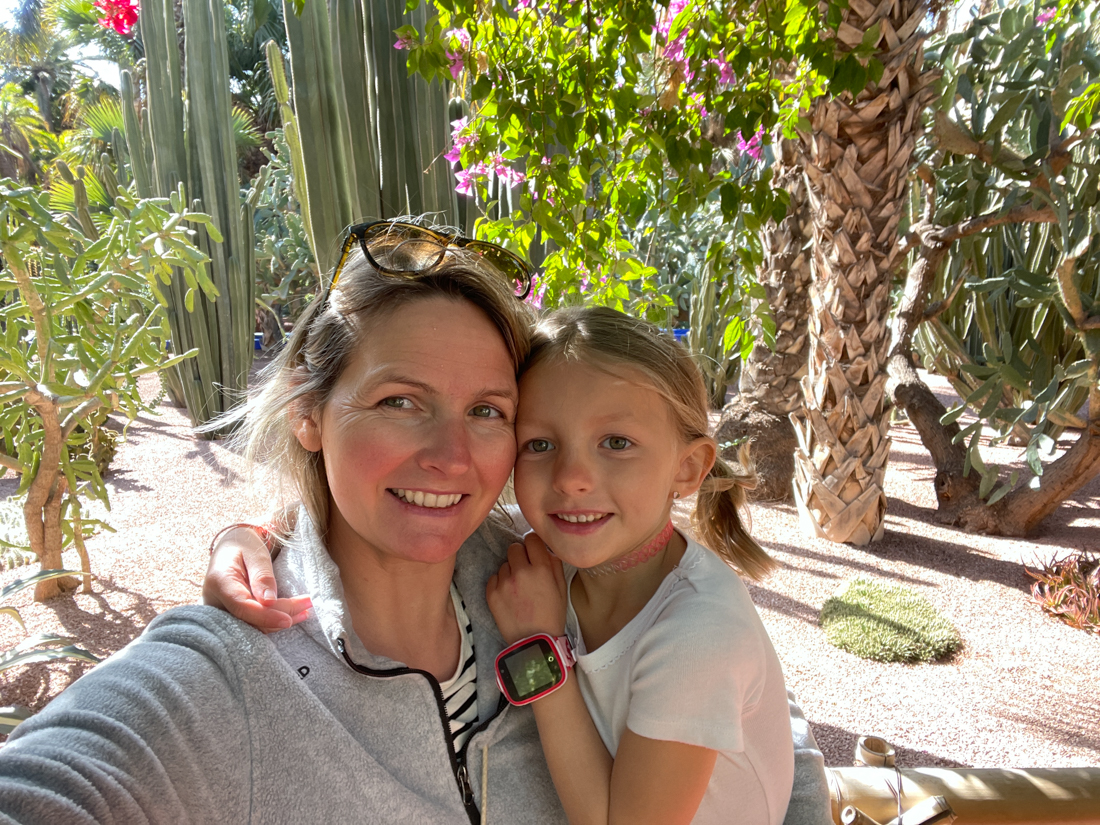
448, 448
573, 474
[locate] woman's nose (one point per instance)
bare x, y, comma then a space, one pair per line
448, 448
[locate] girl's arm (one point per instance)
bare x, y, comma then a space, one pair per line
240, 581
649, 780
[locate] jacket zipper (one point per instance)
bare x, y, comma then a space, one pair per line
458, 761
463, 754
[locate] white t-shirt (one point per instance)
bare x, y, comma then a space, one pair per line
696, 666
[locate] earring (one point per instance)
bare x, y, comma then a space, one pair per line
676, 495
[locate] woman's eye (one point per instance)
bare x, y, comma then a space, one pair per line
486, 411
616, 442
397, 402
539, 445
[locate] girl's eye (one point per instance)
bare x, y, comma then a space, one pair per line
486, 411
539, 445
615, 442
397, 402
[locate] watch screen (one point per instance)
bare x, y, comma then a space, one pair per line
530, 670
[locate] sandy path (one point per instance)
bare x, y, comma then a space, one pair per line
1022, 692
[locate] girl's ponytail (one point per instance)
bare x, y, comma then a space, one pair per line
717, 516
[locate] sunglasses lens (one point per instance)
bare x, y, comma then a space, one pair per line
507, 263
401, 248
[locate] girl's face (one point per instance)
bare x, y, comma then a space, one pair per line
599, 460
418, 433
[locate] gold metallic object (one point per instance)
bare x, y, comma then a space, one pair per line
977, 796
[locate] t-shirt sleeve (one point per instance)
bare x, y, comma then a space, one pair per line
696, 671
157, 733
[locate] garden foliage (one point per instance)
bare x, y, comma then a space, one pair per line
43, 647
1014, 179
1069, 589
82, 311
594, 114
887, 624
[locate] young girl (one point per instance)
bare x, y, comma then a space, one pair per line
677, 711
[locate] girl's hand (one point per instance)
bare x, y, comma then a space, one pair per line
527, 595
240, 581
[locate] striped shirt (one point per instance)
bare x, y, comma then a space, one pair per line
460, 691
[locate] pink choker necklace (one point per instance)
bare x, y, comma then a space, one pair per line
639, 556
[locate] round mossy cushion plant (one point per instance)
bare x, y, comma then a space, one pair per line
887, 624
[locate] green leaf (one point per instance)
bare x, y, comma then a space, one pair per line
41, 576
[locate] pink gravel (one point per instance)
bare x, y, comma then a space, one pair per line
1021, 693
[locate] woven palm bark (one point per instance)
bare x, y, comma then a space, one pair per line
856, 165
770, 377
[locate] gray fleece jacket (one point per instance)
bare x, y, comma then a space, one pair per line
204, 719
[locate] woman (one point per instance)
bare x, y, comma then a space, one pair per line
391, 414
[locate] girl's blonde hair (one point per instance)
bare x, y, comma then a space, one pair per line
604, 338
300, 380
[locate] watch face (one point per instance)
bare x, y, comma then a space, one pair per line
529, 671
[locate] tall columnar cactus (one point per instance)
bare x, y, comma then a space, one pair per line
367, 139
174, 143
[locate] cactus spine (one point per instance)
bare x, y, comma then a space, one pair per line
367, 138
194, 146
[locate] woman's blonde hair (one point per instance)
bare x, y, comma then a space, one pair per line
605, 338
300, 380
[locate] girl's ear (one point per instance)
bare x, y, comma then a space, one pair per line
696, 459
308, 433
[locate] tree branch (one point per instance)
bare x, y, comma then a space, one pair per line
12, 463
73, 419
972, 226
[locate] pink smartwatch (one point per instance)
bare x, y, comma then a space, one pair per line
534, 667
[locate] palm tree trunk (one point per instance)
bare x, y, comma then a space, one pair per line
770, 377
769, 386
857, 164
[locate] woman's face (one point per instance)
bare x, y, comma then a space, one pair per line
418, 434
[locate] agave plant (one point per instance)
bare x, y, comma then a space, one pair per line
43, 647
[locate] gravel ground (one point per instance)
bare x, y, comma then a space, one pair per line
1022, 692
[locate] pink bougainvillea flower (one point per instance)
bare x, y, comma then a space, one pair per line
674, 8
726, 77
465, 185
404, 42
524, 4
536, 296
458, 140
468, 178
508, 176
457, 64
1045, 17
462, 36
754, 146
120, 15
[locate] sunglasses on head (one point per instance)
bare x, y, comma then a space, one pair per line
406, 250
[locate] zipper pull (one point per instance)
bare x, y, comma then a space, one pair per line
464, 785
